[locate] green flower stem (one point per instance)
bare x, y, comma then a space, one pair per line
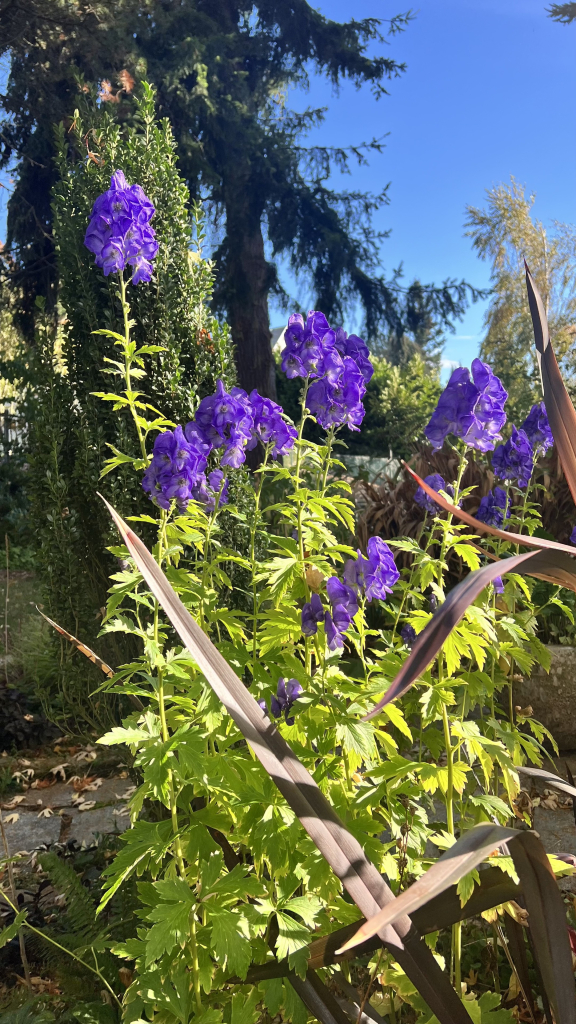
208, 538
303, 418
328, 457
162, 545
47, 938
195, 962
128, 366
253, 528
457, 928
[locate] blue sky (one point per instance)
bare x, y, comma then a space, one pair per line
489, 92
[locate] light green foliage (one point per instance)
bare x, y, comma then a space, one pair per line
505, 233
229, 878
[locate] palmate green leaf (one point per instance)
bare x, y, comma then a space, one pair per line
146, 844
132, 735
230, 941
465, 886
356, 737
468, 554
243, 1009
279, 628
279, 574
171, 927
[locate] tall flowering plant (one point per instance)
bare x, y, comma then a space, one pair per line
229, 881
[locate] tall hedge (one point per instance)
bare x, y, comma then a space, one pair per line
71, 430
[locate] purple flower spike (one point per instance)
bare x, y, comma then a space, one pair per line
408, 634
119, 232
491, 509
333, 635
338, 365
312, 614
342, 594
207, 490
470, 409
514, 461
537, 428
270, 427
287, 693
177, 466
225, 421
376, 574
573, 536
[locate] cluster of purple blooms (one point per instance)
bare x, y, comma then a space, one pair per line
492, 508
374, 575
119, 232
287, 692
233, 422
473, 410
337, 365
470, 409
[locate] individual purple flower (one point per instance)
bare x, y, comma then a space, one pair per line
491, 508
573, 536
537, 428
306, 345
176, 466
333, 633
270, 427
438, 483
119, 232
206, 491
340, 593
225, 420
471, 410
514, 461
263, 705
489, 415
339, 403
376, 574
432, 603
353, 346
498, 585
312, 614
287, 693
408, 634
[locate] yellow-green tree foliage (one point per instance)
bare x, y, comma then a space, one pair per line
506, 233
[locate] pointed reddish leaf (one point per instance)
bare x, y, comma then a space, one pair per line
548, 779
515, 538
429, 642
466, 854
561, 413
548, 924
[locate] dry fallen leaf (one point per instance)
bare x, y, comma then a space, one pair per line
87, 806
11, 819
46, 812
14, 801
59, 771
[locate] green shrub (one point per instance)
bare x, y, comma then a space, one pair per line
72, 431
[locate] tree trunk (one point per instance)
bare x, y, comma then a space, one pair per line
248, 277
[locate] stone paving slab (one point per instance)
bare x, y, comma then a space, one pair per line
32, 830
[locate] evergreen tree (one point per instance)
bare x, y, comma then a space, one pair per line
505, 232
565, 13
222, 69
